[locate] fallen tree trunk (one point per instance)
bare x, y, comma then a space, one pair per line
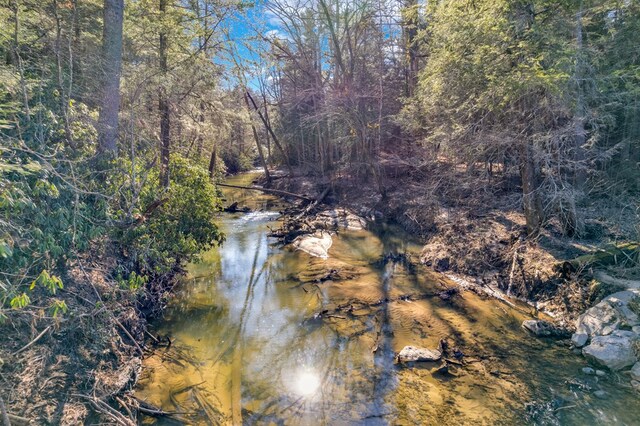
627, 253
267, 190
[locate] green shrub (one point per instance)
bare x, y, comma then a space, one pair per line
179, 228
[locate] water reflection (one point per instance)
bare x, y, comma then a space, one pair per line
305, 382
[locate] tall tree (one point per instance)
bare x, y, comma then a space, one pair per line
163, 104
111, 68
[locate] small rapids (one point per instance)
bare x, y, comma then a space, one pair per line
264, 334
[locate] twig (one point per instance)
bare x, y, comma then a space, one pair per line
125, 406
28, 345
19, 419
564, 408
3, 411
106, 409
155, 339
109, 312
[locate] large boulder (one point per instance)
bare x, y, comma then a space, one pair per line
615, 351
412, 354
317, 244
597, 319
607, 316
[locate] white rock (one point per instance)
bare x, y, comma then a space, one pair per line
316, 245
579, 339
595, 319
620, 301
605, 317
412, 353
615, 351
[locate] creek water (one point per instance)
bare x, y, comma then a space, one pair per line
263, 334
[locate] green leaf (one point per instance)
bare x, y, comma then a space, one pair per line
20, 301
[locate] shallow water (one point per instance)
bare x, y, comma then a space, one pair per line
249, 346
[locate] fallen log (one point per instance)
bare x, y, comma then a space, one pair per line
267, 190
612, 255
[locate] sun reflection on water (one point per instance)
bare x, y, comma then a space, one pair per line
306, 383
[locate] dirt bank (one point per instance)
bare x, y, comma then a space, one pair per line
75, 367
479, 236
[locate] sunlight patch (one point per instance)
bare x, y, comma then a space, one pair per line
306, 383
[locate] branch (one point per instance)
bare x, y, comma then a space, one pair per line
267, 190
28, 345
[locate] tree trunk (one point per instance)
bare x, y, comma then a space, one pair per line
530, 176
15, 50
410, 32
112, 56
62, 97
267, 126
255, 136
580, 135
212, 161
163, 106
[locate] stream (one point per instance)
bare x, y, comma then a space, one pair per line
263, 334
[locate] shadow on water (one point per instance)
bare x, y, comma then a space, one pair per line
266, 335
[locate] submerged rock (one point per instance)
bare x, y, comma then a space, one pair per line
600, 394
317, 244
589, 371
615, 351
412, 353
541, 328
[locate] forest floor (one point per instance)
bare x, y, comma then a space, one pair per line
55, 368
473, 231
